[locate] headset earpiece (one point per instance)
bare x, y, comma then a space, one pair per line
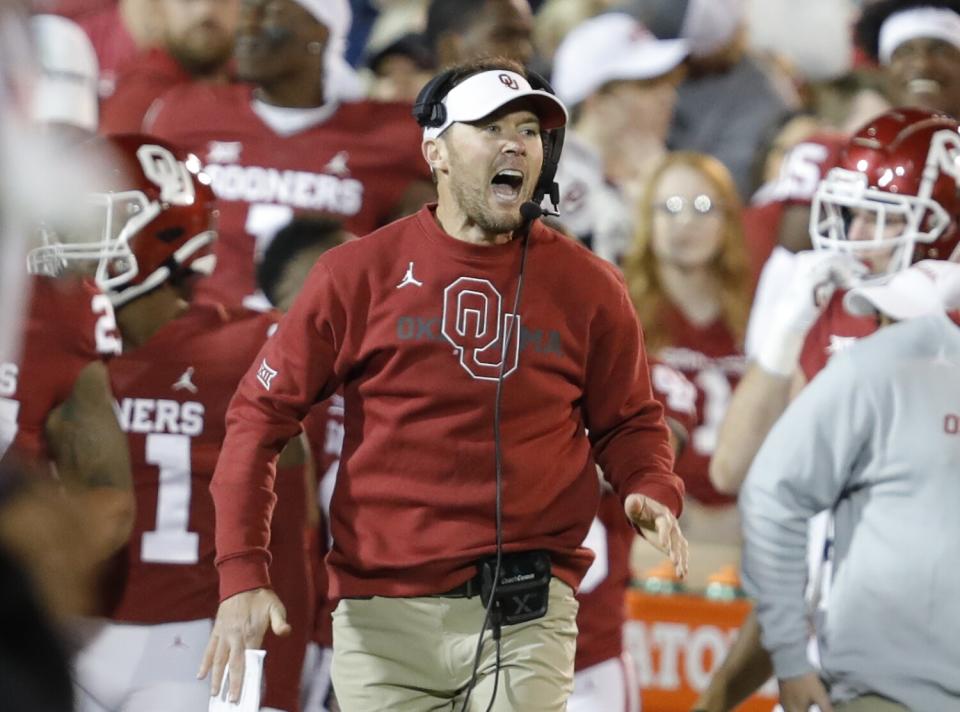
429, 109
552, 148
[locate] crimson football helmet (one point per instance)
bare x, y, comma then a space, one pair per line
149, 215
898, 179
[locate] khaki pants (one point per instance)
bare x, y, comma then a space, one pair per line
870, 703
416, 654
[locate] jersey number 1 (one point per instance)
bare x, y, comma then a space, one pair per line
170, 542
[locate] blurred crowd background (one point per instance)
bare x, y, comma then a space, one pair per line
699, 132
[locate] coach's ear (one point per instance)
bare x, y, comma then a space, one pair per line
435, 153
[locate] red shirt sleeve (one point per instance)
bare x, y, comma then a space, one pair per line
627, 430
294, 369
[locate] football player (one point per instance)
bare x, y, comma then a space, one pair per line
172, 383
283, 144
892, 200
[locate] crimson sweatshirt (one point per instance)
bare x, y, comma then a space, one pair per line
410, 322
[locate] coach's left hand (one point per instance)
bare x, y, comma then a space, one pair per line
651, 516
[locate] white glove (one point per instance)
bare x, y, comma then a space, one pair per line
817, 273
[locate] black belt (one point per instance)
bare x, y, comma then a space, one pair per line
468, 589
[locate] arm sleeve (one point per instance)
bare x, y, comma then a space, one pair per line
295, 368
803, 467
625, 422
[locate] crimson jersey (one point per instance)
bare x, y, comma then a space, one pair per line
602, 615
353, 164
69, 323
172, 395
711, 359
832, 332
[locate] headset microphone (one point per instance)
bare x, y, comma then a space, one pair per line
530, 211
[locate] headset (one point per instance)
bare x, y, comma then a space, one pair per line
430, 111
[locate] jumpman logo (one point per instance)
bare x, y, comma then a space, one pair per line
185, 382
338, 164
409, 279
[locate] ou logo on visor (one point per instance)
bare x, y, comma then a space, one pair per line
509, 81
474, 322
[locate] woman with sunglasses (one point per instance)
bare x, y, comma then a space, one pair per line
689, 281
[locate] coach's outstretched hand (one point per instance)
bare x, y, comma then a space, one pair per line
651, 516
241, 623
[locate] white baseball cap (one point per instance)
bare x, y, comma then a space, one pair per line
66, 88
481, 94
927, 287
609, 47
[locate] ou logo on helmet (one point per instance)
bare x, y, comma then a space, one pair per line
474, 322
171, 176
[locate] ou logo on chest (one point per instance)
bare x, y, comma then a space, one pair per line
474, 322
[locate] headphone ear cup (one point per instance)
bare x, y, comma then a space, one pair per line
438, 114
428, 109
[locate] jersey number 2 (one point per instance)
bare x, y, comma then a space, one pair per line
170, 542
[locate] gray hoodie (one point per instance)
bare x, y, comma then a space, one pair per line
875, 438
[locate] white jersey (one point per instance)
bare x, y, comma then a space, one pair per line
591, 207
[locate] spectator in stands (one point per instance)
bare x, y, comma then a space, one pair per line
400, 69
620, 82
197, 43
555, 18
917, 42
728, 101
688, 279
461, 30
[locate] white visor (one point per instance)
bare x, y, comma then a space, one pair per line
482, 94
924, 288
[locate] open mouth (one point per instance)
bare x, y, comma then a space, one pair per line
507, 184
